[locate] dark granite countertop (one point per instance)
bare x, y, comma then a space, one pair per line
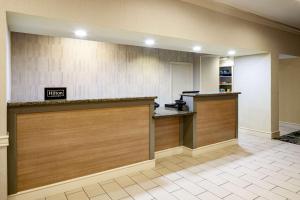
211, 94
83, 101
170, 112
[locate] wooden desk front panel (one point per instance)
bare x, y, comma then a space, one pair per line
216, 119
56, 146
167, 132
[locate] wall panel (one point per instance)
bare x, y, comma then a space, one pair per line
89, 69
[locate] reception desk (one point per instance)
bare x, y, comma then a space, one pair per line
54, 141
215, 121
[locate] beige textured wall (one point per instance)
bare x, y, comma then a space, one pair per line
171, 18
289, 90
90, 69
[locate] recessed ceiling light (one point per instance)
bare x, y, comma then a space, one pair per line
149, 42
197, 48
231, 52
80, 33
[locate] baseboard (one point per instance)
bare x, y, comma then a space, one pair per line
4, 141
212, 147
63, 186
290, 125
258, 133
169, 152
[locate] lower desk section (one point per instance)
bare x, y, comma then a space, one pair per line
167, 133
216, 119
65, 143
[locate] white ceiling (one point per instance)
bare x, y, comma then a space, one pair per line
44, 26
283, 11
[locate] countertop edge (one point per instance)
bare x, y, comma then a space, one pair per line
82, 101
213, 94
156, 116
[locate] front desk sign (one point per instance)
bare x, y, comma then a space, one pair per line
55, 93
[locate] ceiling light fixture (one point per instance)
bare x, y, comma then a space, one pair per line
149, 42
231, 52
80, 33
197, 48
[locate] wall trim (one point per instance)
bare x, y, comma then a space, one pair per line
260, 133
169, 152
4, 141
63, 186
212, 147
294, 125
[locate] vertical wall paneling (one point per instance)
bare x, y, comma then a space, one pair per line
90, 69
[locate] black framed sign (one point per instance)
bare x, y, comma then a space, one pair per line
55, 93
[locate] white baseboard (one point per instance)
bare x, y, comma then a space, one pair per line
259, 133
212, 147
290, 125
63, 186
169, 152
4, 141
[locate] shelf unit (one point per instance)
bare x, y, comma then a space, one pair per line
226, 74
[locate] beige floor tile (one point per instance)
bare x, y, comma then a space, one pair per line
78, 196
213, 177
184, 195
174, 159
257, 168
254, 173
161, 194
166, 184
286, 193
151, 174
208, 196
214, 189
114, 191
289, 174
190, 176
258, 182
138, 193
61, 196
264, 193
101, 197
171, 166
294, 181
235, 180
189, 186
124, 181
93, 190
283, 184
239, 191
168, 174
127, 198
106, 181
233, 197
144, 182
80, 189
278, 175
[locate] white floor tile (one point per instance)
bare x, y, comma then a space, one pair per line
239, 191
264, 193
189, 186
138, 193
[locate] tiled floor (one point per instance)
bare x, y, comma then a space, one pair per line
257, 168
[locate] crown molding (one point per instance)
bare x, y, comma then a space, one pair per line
229, 10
